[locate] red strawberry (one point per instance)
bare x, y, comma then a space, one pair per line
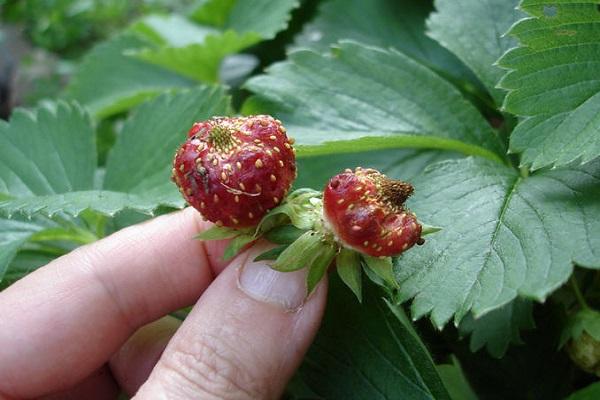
234, 170
365, 210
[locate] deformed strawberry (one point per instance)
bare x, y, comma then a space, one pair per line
365, 211
234, 170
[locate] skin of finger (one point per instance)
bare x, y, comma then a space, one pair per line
73, 314
100, 385
134, 361
234, 347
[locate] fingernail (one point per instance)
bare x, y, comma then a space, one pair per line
285, 289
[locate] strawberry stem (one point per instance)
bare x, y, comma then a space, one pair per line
578, 295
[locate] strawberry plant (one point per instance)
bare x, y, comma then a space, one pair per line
490, 109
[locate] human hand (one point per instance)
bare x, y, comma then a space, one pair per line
93, 321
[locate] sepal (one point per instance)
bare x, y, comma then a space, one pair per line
319, 266
301, 253
348, 268
383, 268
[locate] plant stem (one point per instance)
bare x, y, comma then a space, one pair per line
580, 299
524, 172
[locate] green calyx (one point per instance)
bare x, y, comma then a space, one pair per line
296, 226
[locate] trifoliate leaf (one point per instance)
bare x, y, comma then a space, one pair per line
264, 17
371, 352
35, 180
398, 24
141, 158
318, 267
364, 98
499, 328
244, 24
108, 81
478, 39
172, 30
301, 253
46, 151
106, 202
348, 268
503, 235
199, 61
403, 164
554, 83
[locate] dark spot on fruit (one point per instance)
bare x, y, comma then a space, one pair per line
335, 184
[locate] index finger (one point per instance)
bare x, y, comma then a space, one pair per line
64, 321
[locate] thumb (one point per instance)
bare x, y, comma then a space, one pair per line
243, 339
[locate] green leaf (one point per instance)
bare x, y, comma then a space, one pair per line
499, 328
137, 170
271, 254
371, 352
348, 267
503, 236
236, 245
455, 381
199, 61
264, 17
364, 98
383, 268
285, 234
590, 392
217, 233
246, 24
25, 262
381, 23
213, 12
301, 253
554, 83
172, 29
108, 82
478, 39
141, 158
318, 267
69, 233
584, 320
404, 164
13, 234
49, 150
532, 371
106, 202
48, 160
